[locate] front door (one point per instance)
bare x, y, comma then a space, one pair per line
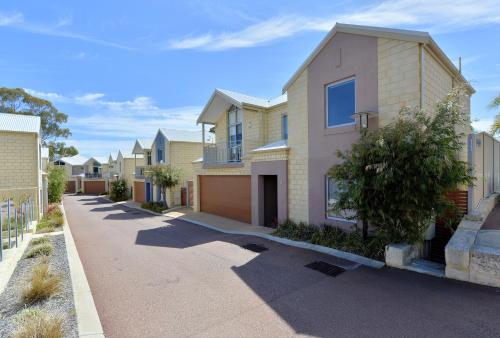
271, 201
148, 192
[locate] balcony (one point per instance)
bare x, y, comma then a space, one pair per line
93, 175
221, 154
139, 172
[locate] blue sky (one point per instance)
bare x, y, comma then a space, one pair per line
122, 69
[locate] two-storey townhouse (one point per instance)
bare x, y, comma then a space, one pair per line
21, 159
126, 167
142, 147
74, 167
357, 77
178, 148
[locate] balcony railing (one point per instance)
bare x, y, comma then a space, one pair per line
221, 153
93, 175
139, 172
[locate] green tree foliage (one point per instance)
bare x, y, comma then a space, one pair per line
165, 177
396, 177
56, 183
495, 104
119, 190
18, 101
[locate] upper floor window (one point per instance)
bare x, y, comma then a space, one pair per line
235, 133
160, 147
340, 103
148, 158
284, 127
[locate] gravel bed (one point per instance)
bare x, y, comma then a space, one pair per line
62, 303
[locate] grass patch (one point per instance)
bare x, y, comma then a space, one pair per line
44, 249
332, 237
154, 206
36, 323
40, 240
42, 285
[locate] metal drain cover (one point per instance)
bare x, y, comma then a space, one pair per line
326, 268
254, 247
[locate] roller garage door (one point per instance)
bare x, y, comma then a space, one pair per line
139, 193
228, 196
94, 187
70, 187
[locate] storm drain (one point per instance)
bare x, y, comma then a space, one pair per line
254, 247
326, 268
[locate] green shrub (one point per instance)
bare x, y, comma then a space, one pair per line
56, 183
37, 323
44, 249
154, 206
330, 236
40, 240
119, 190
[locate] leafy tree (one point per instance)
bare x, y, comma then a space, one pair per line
18, 101
61, 150
495, 104
396, 177
56, 183
163, 176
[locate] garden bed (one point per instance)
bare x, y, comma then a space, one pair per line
60, 305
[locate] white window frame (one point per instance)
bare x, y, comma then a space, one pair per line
335, 84
334, 218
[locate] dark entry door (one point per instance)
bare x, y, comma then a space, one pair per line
271, 200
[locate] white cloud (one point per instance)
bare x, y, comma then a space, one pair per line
109, 120
483, 124
17, 21
7, 19
435, 16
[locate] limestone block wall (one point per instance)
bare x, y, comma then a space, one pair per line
398, 77
272, 126
298, 182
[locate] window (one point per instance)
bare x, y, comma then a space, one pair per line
148, 158
159, 155
332, 196
340, 103
235, 134
284, 127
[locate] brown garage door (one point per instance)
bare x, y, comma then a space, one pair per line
139, 192
227, 196
70, 187
95, 187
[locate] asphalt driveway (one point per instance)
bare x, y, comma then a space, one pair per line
155, 277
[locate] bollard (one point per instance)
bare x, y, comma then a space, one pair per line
1, 232
8, 220
16, 225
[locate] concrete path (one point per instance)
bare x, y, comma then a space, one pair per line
152, 277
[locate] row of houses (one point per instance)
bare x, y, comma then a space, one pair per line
263, 160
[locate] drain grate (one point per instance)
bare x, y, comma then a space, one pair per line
254, 247
326, 268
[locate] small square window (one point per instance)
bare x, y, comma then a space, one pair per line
340, 103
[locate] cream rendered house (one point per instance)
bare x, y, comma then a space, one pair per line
127, 164
178, 148
21, 159
270, 158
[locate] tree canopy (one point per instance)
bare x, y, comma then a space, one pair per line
495, 104
18, 101
164, 176
396, 177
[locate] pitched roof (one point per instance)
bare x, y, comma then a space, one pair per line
145, 143
182, 135
74, 160
389, 33
222, 99
20, 123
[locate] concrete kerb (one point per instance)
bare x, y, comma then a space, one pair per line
89, 324
303, 245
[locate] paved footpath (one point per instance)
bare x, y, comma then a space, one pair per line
154, 277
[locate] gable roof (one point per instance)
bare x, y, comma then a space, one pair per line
222, 99
74, 160
181, 135
380, 32
20, 123
142, 144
